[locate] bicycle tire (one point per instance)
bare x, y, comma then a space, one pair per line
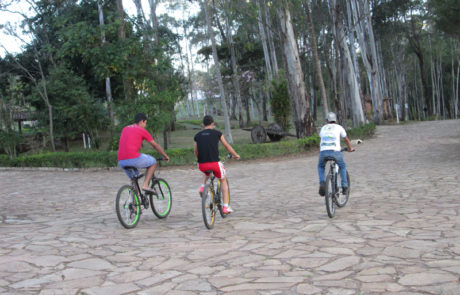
219, 194
128, 206
342, 199
208, 207
161, 203
328, 197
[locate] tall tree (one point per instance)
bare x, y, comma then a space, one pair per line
319, 73
108, 88
228, 131
300, 102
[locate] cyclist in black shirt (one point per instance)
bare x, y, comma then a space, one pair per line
206, 149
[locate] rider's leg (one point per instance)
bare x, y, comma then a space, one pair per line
224, 188
148, 175
321, 167
342, 169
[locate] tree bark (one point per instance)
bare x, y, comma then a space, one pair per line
218, 74
108, 88
319, 73
362, 24
235, 75
300, 104
351, 78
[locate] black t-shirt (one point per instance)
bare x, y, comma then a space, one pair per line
207, 141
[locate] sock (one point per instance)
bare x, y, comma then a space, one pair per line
225, 204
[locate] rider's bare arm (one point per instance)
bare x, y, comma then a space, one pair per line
195, 149
348, 142
159, 149
229, 148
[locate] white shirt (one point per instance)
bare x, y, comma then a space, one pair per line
330, 137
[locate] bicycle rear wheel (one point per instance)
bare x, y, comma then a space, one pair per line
162, 200
342, 199
221, 197
208, 206
329, 196
127, 206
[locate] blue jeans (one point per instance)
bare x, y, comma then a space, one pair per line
342, 166
143, 161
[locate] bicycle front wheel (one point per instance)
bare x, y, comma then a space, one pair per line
342, 199
219, 194
329, 196
162, 200
208, 206
127, 206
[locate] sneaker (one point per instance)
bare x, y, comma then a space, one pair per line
227, 209
345, 190
322, 188
201, 191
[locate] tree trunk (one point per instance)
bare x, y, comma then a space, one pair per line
362, 23
351, 78
235, 75
274, 61
300, 104
108, 89
218, 74
319, 74
414, 42
153, 16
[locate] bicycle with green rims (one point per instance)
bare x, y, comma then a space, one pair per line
130, 199
334, 195
212, 199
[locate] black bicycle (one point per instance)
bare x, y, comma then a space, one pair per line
334, 195
211, 200
130, 199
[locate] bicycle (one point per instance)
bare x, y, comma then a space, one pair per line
211, 200
130, 199
333, 190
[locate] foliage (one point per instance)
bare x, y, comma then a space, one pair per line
9, 140
280, 102
76, 111
364, 131
178, 156
446, 15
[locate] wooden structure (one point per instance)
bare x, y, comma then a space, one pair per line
274, 131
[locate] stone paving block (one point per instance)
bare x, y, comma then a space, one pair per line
393, 237
111, 290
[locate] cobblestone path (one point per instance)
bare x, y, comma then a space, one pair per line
399, 233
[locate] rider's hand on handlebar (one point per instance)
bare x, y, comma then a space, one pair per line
166, 158
351, 150
236, 157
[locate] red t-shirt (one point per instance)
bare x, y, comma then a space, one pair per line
131, 140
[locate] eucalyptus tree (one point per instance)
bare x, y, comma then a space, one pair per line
360, 14
228, 131
300, 104
349, 72
108, 88
314, 49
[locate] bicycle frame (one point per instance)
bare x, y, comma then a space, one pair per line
333, 171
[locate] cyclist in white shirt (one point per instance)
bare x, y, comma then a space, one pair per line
331, 134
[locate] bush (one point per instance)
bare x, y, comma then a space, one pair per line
179, 156
364, 131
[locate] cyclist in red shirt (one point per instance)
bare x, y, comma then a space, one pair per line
206, 149
131, 140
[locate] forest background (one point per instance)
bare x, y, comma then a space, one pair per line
86, 67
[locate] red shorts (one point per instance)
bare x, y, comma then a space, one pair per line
217, 169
